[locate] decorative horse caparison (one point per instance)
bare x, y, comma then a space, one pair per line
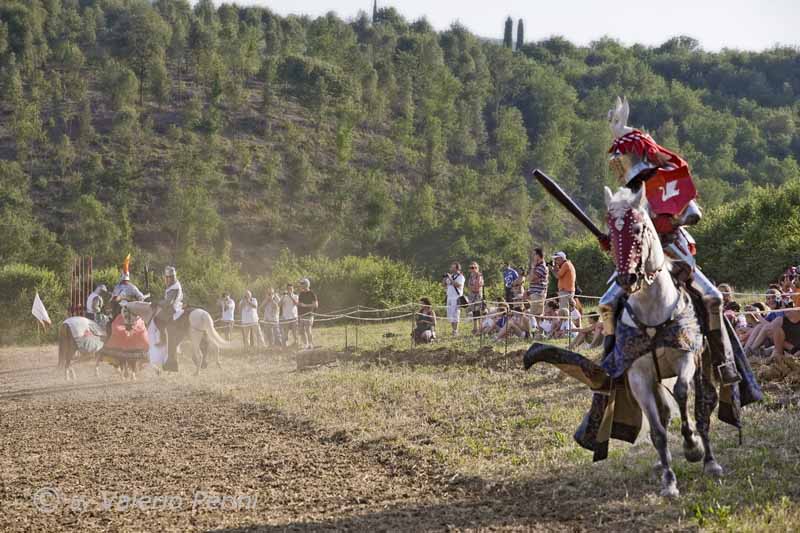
654, 301
196, 325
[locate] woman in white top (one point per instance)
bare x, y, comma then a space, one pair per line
228, 307
289, 302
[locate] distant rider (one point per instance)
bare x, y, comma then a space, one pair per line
171, 307
94, 303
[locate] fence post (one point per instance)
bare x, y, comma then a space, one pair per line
358, 312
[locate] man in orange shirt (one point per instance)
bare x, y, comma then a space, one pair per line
565, 274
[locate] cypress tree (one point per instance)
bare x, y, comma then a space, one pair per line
508, 35
520, 35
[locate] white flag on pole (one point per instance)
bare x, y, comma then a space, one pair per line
38, 310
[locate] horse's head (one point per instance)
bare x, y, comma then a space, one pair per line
636, 247
618, 118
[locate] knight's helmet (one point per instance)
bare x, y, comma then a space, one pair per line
626, 165
626, 160
170, 272
125, 273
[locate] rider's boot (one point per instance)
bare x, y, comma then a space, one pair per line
608, 311
722, 357
718, 342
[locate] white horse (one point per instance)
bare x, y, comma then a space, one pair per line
643, 271
197, 325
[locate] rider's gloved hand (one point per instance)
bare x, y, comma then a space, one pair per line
605, 242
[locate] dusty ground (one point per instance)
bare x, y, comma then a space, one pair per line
415, 440
98, 441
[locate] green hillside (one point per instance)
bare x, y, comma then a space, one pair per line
217, 132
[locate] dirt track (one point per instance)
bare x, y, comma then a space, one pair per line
100, 440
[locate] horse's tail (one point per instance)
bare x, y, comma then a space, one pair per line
65, 344
211, 332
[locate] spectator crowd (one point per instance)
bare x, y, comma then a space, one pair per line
524, 311
280, 316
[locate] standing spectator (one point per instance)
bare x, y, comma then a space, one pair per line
307, 304
454, 285
565, 273
289, 302
475, 294
228, 308
510, 275
251, 331
537, 287
425, 323
272, 315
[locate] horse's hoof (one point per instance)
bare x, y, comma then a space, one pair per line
694, 451
713, 469
670, 491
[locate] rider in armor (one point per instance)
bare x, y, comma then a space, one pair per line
637, 160
125, 290
171, 306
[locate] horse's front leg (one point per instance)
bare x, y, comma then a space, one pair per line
704, 405
641, 378
693, 447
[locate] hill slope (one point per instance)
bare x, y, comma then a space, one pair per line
175, 129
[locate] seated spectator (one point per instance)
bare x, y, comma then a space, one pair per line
565, 328
728, 303
786, 333
550, 324
752, 317
425, 323
589, 337
760, 337
575, 313
496, 320
517, 325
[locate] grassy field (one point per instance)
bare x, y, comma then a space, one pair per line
504, 430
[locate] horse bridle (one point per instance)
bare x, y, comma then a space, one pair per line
629, 219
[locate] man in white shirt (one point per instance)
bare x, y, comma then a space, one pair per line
289, 302
228, 306
454, 285
251, 331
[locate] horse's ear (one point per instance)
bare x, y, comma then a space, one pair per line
608, 196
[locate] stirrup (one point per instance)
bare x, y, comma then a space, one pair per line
726, 378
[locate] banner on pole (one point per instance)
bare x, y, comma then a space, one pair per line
38, 310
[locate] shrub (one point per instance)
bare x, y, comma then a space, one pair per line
18, 285
349, 281
751, 242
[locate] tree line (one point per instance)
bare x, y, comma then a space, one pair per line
218, 132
